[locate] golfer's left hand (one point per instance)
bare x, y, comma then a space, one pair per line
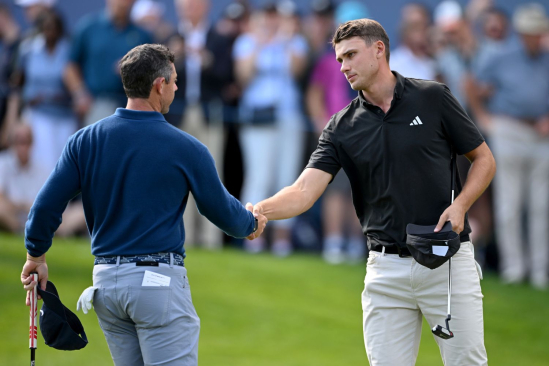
38, 265
456, 215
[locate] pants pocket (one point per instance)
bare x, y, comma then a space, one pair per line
104, 315
149, 306
479, 270
373, 258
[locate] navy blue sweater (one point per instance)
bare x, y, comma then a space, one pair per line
135, 172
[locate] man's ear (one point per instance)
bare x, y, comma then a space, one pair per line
380, 49
158, 85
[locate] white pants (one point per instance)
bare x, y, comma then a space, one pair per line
522, 180
50, 134
398, 291
273, 157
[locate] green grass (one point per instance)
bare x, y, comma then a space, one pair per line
261, 310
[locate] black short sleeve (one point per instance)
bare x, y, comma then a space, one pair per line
461, 131
326, 157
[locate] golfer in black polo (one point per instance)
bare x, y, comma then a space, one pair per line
394, 142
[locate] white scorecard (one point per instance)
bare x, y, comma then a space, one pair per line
440, 250
155, 279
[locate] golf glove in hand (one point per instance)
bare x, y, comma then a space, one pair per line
85, 302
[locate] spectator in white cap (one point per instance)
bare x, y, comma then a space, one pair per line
517, 114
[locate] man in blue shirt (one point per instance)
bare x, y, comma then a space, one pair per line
135, 172
98, 44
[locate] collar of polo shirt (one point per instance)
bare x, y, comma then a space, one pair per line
399, 89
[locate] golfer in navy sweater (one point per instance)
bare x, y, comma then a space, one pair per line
135, 172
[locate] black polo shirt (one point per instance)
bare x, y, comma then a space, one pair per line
398, 163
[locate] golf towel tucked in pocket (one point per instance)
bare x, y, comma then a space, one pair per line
149, 306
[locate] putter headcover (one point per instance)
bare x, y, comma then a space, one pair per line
59, 326
431, 249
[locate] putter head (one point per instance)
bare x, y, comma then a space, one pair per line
442, 332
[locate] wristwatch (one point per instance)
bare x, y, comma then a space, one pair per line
256, 223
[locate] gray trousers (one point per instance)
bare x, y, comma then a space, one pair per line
146, 325
522, 181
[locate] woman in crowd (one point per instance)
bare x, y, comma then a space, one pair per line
46, 101
268, 60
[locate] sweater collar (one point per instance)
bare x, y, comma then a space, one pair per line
139, 115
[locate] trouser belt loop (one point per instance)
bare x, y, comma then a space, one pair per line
383, 250
118, 261
171, 260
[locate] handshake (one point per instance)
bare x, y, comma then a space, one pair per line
261, 220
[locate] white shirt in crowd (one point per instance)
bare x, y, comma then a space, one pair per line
195, 41
409, 65
20, 184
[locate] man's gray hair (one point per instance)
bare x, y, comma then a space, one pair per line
141, 66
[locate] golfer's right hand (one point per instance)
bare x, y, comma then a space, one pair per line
38, 265
261, 221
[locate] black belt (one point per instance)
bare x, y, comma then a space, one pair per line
403, 252
393, 249
144, 259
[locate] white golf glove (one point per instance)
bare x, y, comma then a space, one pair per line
85, 302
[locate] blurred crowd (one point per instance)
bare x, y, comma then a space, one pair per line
258, 85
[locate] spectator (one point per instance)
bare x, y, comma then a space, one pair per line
493, 25
206, 81
39, 72
328, 93
269, 59
319, 27
517, 114
494, 35
20, 179
92, 74
234, 20
454, 60
413, 13
32, 10
9, 42
413, 57
232, 24
149, 14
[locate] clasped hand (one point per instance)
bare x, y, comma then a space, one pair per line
261, 220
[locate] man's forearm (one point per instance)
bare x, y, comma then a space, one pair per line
297, 198
289, 202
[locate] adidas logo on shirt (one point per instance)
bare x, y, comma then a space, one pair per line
416, 121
